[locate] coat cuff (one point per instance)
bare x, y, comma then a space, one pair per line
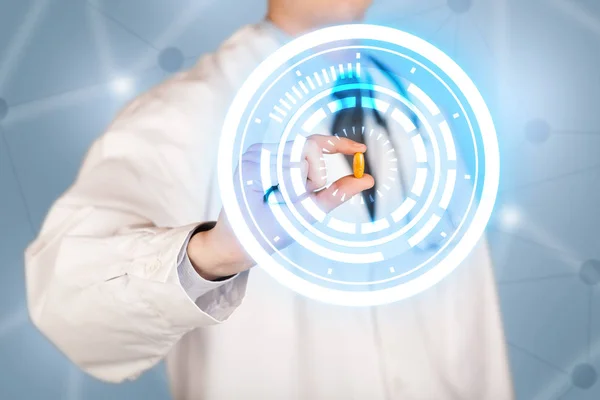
215, 298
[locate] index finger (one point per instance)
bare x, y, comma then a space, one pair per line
336, 144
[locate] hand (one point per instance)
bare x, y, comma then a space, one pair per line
217, 253
296, 17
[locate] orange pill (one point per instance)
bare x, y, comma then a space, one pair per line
358, 165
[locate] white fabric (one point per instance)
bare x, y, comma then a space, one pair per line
102, 277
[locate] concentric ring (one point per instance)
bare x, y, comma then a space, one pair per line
474, 101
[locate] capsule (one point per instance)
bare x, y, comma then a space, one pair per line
358, 165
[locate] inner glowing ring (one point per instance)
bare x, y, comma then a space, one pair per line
291, 205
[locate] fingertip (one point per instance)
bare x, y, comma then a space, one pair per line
357, 185
369, 181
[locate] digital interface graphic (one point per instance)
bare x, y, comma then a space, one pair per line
431, 141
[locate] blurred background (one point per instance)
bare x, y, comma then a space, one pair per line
67, 66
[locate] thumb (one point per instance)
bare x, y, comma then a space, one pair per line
341, 191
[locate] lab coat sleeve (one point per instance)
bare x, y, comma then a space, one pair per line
102, 278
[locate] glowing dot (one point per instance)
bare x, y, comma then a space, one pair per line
510, 217
298, 73
257, 120
537, 131
392, 270
329, 271
3, 108
171, 59
460, 6
122, 86
584, 376
276, 239
590, 272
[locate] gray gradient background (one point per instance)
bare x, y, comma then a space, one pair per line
67, 66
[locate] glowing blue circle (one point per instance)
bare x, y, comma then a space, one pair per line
488, 139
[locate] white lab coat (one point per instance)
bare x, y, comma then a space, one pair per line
102, 277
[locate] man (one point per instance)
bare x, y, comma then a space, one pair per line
128, 269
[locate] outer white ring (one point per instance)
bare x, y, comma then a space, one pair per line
488, 135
